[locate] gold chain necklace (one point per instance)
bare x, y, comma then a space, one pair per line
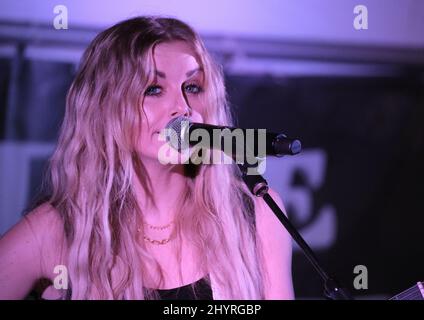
159, 227
157, 242
153, 241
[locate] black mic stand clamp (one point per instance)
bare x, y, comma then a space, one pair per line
259, 187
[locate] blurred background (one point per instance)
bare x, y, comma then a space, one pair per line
349, 83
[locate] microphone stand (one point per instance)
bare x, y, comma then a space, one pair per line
259, 187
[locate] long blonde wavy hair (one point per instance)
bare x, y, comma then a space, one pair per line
94, 164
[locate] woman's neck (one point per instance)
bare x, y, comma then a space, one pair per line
167, 186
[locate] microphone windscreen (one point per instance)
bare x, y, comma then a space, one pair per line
176, 133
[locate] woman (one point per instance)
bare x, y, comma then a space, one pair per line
121, 225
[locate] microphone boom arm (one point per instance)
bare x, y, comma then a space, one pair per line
259, 187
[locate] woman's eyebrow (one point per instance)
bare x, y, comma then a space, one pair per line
190, 73
160, 74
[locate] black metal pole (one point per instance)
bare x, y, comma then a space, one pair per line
259, 187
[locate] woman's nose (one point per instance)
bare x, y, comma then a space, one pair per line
180, 108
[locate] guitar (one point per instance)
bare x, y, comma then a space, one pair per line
416, 292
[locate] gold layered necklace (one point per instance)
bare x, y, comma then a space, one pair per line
166, 226
156, 228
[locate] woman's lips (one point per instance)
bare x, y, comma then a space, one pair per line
160, 135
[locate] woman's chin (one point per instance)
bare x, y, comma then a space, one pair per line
165, 154
168, 155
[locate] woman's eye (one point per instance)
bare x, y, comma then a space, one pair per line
153, 91
193, 88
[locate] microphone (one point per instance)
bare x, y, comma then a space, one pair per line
180, 131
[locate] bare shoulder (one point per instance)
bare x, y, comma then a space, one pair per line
265, 217
276, 249
41, 222
47, 227
28, 250
45, 219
